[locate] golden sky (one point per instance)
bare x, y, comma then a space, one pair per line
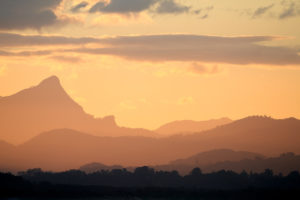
149, 62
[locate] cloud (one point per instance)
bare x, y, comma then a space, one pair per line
67, 59
160, 48
204, 16
10, 40
262, 10
196, 48
291, 10
23, 14
79, 6
26, 53
205, 10
122, 6
137, 6
170, 6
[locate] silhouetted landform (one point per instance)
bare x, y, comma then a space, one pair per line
46, 107
94, 167
284, 164
217, 160
215, 156
49, 150
145, 182
205, 160
184, 166
190, 126
148, 177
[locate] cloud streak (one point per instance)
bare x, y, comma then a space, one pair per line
292, 10
79, 6
262, 10
122, 6
160, 48
11, 40
232, 50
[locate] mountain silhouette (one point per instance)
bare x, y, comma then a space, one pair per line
206, 159
64, 149
218, 155
95, 167
285, 163
190, 126
46, 107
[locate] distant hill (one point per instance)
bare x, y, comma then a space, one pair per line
208, 158
78, 138
49, 150
46, 107
284, 164
214, 156
190, 126
94, 167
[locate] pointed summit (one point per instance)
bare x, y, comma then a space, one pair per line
52, 82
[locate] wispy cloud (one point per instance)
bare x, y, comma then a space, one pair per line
161, 48
10, 40
137, 6
262, 10
68, 59
232, 50
170, 6
291, 9
122, 6
79, 6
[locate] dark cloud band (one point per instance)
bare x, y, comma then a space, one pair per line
23, 14
159, 48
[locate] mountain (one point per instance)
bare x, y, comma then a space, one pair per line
46, 107
190, 126
64, 149
284, 164
205, 159
214, 156
8, 160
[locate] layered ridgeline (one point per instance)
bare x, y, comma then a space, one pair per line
64, 149
190, 126
237, 161
54, 133
46, 107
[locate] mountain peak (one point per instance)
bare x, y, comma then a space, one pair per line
52, 80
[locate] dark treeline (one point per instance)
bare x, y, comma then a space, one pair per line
148, 177
145, 182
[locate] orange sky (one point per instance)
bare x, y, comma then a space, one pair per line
158, 61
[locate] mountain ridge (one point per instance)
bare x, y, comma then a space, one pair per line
190, 126
47, 106
50, 150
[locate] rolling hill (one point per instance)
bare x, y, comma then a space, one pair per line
64, 149
190, 126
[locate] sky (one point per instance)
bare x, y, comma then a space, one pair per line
149, 62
